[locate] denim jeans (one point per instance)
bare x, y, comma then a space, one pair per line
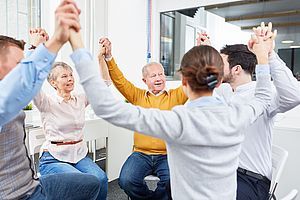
49, 165
67, 186
136, 168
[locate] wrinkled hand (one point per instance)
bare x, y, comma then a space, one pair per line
106, 45
37, 36
66, 17
203, 39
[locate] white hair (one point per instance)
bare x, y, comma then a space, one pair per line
144, 70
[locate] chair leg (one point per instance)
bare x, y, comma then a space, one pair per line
94, 150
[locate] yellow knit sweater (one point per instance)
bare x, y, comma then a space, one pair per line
166, 101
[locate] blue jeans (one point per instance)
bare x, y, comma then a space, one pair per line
49, 165
67, 186
136, 168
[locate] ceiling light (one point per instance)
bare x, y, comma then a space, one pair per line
294, 46
287, 41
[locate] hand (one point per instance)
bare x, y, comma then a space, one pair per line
102, 51
266, 33
104, 42
37, 36
261, 48
66, 18
203, 39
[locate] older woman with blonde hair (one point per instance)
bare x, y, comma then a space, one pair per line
63, 118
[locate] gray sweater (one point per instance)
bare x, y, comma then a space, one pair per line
203, 143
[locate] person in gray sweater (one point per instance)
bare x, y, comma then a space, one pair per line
203, 137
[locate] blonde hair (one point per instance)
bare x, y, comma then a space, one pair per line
53, 72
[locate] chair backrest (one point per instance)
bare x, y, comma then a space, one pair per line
95, 129
36, 138
279, 157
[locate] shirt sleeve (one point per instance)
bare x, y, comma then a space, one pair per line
41, 101
22, 83
287, 87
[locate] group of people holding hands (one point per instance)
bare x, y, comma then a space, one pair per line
216, 146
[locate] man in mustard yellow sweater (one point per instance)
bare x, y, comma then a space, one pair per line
149, 154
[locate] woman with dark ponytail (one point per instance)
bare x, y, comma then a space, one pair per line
203, 137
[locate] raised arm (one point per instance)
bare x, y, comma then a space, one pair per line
102, 64
262, 100
21, 84
36, 36
125, 87
287, 87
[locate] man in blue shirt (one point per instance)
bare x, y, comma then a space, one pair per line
20, 80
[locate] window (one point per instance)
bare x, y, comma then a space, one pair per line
17, 16
167, 43
291, 57
178, 32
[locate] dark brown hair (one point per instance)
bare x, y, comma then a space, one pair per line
239, 54
6, 41
201, 66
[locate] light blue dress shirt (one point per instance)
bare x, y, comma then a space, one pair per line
23, 82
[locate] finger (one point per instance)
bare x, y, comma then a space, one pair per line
270, 27
254, 38
259, 31
75, 25
69, 16
263, 28
102, 40
269, 33
69, 8
70, 23
65, 2
256, 31
42, 32
250, 44
274, 35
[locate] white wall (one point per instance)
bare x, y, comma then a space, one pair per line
222, 33
127, 32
